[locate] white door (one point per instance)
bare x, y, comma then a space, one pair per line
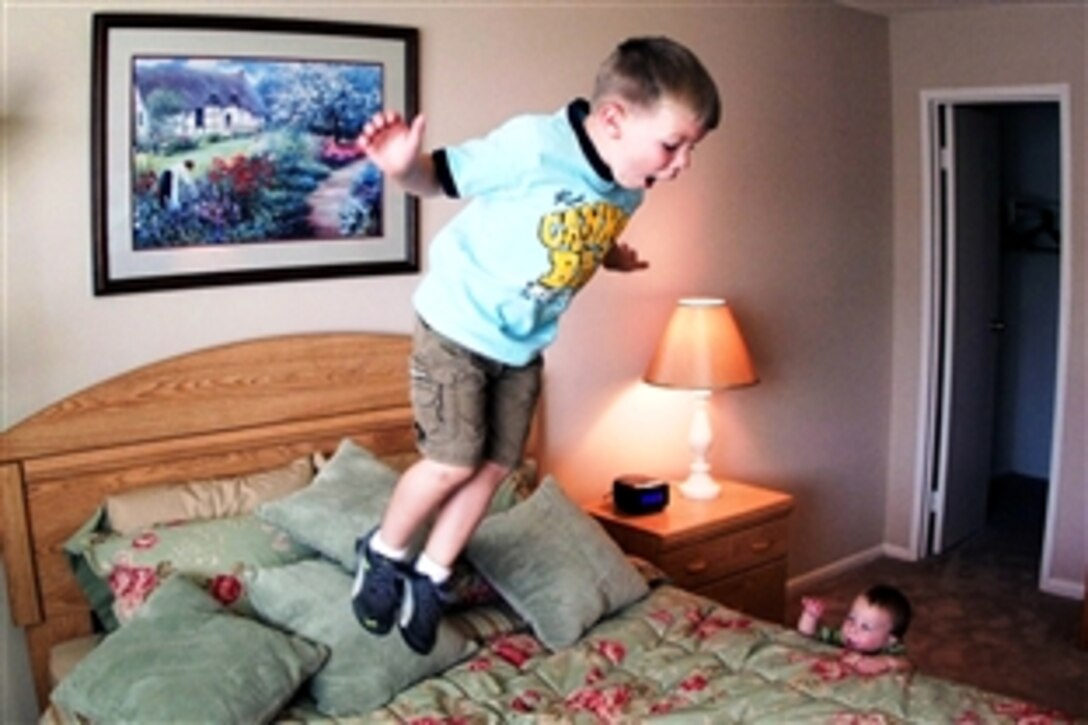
972, 328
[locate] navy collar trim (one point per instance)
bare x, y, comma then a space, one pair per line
577, 112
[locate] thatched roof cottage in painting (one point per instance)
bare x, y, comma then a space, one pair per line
179, 102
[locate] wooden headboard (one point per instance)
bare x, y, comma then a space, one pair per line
222, 411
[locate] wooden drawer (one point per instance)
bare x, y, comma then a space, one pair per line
694, 565
760, 592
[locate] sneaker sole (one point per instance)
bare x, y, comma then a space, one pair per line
406, 610
370, 624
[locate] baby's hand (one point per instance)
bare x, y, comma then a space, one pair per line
813, 606
391, 143
811, 611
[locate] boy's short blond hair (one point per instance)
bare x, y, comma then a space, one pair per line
642, 71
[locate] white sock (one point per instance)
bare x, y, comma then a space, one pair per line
428, 567
379, 546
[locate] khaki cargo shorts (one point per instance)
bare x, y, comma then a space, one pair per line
469, 408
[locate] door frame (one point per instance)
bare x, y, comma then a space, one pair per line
933, 266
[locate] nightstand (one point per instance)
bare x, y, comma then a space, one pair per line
732, 548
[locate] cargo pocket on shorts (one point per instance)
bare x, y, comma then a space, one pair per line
435, 422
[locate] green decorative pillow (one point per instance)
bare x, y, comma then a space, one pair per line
555, 565
516, 487
346, 499
364, 671
186, 659
118, 572
468, 588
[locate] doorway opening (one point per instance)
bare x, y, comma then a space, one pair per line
997, 172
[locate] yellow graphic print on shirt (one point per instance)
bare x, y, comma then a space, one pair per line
577, 239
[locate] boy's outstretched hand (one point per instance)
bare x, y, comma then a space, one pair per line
392, 144
623, 258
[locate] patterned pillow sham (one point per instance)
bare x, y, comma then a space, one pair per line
118, 572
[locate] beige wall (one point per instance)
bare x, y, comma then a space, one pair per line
787, 213
987, 48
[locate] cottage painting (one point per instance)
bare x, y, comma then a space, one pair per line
229, 151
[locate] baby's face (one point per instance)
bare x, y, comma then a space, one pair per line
655, 144
867, 628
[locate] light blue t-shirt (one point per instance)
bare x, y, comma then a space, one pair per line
544, 212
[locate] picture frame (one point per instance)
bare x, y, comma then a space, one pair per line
224, 152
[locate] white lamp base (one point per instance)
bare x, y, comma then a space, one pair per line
699, 484
700, 488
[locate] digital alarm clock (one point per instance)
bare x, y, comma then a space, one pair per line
637, 494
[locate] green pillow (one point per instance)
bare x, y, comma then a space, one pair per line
346, 500
555, 565
364, 671
118, 572
184, 658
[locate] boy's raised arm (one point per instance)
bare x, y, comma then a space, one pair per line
394, 146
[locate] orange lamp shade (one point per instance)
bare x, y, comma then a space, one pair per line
701, 349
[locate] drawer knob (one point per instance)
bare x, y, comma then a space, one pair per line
760, 546
696, 567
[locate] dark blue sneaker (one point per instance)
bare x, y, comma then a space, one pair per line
421, 612
378, 588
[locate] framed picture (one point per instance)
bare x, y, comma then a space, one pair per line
224, 150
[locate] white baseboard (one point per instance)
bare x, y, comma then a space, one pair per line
817, 576
1063, 587
1059, 587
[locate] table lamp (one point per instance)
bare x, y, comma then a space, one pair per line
701, 350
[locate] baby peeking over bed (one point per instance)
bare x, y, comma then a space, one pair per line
876, 624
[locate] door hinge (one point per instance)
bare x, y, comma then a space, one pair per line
935, 501
945, 158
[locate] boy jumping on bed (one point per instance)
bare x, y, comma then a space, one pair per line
876, 624
552, 195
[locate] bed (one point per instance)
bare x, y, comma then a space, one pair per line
152, 483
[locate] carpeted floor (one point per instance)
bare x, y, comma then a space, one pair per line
979, 616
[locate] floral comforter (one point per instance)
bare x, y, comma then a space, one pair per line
676, 657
